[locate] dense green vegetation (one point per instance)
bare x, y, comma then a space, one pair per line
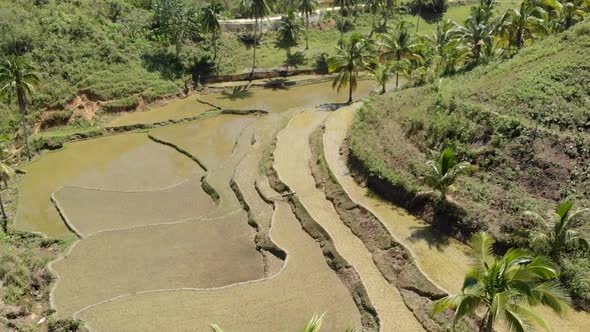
116, 49
521, 121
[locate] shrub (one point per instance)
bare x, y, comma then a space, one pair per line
576, 276
121, 105
65, 325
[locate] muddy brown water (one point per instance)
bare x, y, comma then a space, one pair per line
272, 100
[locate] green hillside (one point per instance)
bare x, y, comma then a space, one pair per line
524, 122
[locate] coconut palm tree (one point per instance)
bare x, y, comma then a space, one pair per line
478, 31
346, 6
289, 32
374, 7
209, 19
306, 8
381, 73
19, 78
418, 5
573, 11
398, 45
6, 173
258, 10
506, 288
444, 44
524, 23
444, 170
352, 57
557, 233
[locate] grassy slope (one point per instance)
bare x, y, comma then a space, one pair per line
524, 122
79, 49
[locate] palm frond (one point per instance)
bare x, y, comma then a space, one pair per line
552, 295
215, 328
315, 324
7, 170
517, 320
482, 245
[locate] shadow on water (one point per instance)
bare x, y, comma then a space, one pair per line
236, 93
278, 83
331, 106
429, 234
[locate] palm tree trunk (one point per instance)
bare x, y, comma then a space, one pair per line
350, 89
4, 216
383, 88
482, 324
490, 324
214, 41
22, 104
215, 50
306, 31
418, 21
397, 72
254, 48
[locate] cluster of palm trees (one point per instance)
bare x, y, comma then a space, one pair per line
486, 33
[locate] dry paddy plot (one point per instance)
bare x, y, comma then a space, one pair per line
139, 241
105, 162
174, 110
88, 210
192, 254
219, 143
305, 285
291, 163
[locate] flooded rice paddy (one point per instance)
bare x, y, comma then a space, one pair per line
178, 226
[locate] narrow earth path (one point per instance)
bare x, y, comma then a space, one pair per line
443, 259
291, 163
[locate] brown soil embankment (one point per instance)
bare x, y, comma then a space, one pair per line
393, 259
291, 163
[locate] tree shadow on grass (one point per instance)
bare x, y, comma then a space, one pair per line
167, 64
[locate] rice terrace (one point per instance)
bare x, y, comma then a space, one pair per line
295, 165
